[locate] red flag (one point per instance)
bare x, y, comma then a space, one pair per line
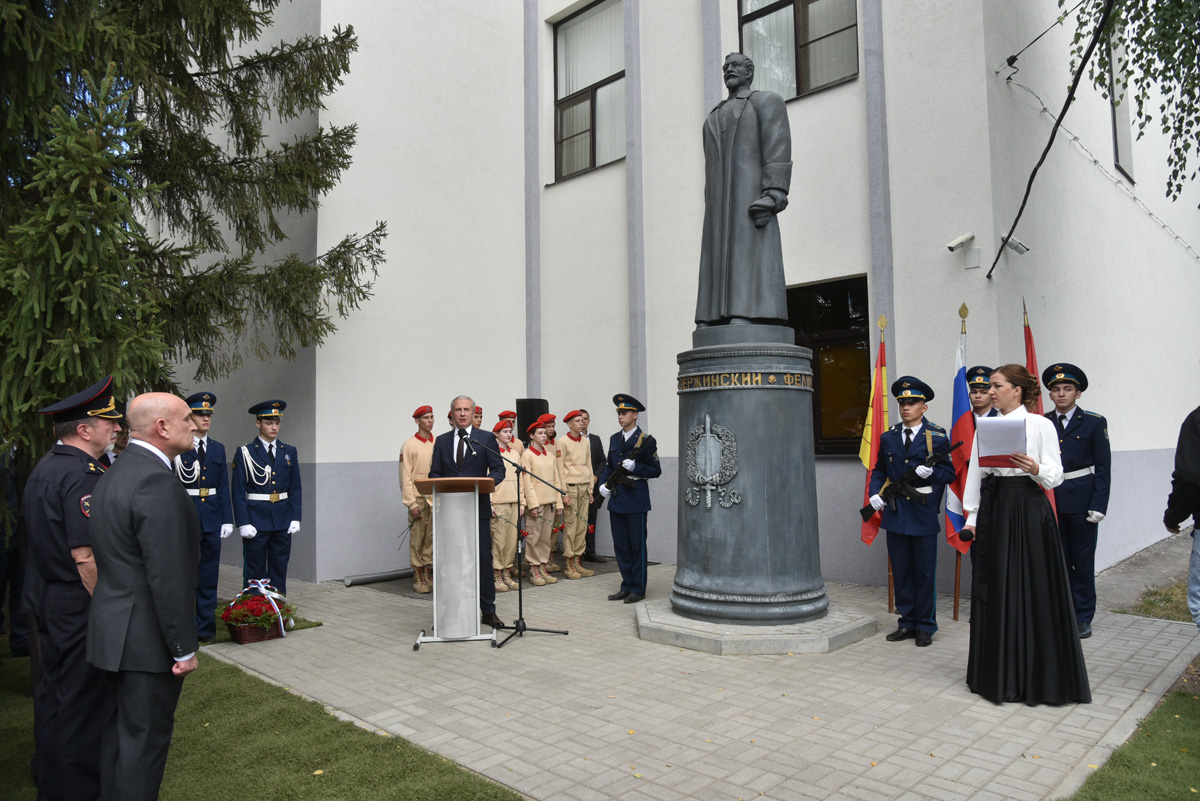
876, 424
1032, 366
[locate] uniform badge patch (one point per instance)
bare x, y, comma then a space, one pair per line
85, 505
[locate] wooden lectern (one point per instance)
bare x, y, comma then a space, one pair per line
455, 557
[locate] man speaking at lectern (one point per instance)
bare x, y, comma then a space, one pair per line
466, 451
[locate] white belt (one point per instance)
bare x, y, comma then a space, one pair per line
1080, 473
274, 497
202, 492
923, 490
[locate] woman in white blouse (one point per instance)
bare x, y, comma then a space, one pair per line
1024, 641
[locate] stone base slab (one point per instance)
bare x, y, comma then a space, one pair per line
840, 627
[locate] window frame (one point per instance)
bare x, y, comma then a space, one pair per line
574, 98
833, 446
778, 5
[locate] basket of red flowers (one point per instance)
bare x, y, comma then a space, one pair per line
259, 613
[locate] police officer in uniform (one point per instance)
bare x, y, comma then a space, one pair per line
1082, 499
204, 471
266, 497
635, 453
912, 526
979, 388
72, 696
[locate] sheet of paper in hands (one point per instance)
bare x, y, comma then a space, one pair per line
998, 438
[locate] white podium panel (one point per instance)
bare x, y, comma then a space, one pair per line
455, 565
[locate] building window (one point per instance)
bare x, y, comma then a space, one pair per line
831, 319
589, 89
800, 46
1119, 100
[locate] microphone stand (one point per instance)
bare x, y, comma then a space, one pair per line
519, 625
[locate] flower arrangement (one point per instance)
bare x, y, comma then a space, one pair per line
256, 610
258, 613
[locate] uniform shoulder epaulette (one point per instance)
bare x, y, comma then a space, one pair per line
95, 468
1093, 414
897, 427
939, 432
936, 427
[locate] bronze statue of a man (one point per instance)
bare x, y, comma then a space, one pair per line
748, 169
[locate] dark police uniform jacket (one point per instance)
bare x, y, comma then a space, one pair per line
56, 505
911, 517
213, 508
1083, 444
285, 477
627, 499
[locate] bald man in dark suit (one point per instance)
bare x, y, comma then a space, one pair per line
146, 537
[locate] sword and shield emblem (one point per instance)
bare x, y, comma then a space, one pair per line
711, 464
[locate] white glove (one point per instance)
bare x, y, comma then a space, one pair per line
1095, 517
627, 464
605, 491
293, 527
226, 530
247, 532
923, 471
877, 503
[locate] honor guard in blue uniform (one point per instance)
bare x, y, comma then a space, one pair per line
912, 526
632, 459
979, 391
1082, 499
204, 471
72, 697
266, 497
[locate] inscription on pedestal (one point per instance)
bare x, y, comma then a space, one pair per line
756, 380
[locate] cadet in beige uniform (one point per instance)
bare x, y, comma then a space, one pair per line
541, 502
415, 459
517, 446
505, 511
575, 466
547, 420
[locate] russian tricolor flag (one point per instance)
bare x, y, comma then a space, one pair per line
962, 430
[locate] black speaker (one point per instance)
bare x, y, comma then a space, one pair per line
528, 410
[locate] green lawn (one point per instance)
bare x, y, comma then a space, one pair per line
1162, 759
239, 737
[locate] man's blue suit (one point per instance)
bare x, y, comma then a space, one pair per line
268, 553
214, 509
628, 505
912, 526
1084, 443
484, 463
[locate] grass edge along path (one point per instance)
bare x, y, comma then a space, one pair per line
1162, 758
237, 736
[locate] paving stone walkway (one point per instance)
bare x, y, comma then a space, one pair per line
601, 714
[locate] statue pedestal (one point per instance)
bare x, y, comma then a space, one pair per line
748, 549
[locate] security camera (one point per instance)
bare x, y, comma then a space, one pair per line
1016, 244
955, 244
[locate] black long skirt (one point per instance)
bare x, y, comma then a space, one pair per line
1024, 641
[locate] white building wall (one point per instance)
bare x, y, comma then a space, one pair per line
438, 94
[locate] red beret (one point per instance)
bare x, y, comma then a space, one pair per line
422, 410
502, 424
507, 415
573, 413
478, 410
546, 418
535, 425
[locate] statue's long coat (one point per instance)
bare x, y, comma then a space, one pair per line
747, 148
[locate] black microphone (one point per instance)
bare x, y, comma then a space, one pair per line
462, 434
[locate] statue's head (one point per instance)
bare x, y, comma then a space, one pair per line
738, 71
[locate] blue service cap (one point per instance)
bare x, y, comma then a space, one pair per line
628, 403
202, 402
1060, 372
271, 408
980, 375
95, 401
909, 388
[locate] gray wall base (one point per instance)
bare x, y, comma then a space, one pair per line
840, 627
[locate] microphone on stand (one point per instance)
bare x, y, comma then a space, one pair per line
462, 434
